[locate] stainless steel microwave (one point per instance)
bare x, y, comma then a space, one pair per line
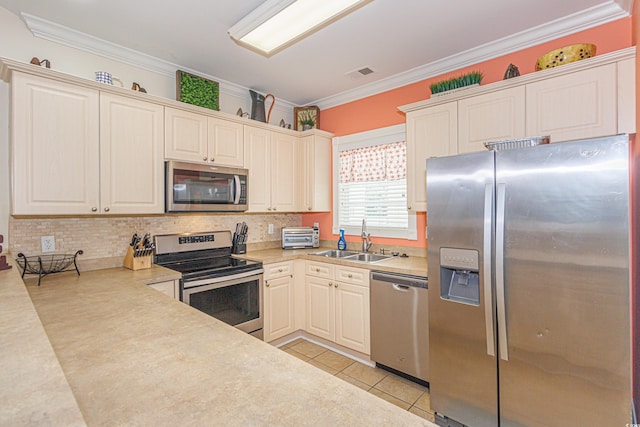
193, 187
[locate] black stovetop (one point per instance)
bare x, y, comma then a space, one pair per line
207, 264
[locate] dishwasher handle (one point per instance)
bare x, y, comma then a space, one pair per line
399, 280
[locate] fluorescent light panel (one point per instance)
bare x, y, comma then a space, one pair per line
277, 23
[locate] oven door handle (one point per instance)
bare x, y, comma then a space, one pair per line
213, 280
237, 189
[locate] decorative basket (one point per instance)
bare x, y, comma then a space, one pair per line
47, 263
565, 55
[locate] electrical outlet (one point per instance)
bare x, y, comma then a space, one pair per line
48, 244
270, 229
316, 224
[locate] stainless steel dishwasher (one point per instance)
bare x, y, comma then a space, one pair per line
400, 323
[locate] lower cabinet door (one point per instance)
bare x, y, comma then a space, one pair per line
352, 317
278, 308
320, 307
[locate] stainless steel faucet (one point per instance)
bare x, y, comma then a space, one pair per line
366, 237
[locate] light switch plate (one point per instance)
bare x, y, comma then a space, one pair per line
270, 231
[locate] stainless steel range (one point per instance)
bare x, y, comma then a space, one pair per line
213, 281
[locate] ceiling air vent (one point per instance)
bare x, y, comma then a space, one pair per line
361, 72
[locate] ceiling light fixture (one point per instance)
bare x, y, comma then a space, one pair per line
276, 24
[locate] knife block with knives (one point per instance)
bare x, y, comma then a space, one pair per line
139, 252
239, 244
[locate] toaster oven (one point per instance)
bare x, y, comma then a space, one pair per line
300, 237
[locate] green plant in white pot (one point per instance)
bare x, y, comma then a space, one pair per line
472, 78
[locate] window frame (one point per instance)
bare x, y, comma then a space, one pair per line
379, 136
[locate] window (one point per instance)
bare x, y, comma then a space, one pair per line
370, 182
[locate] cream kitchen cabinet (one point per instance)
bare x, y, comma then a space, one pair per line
78, 152
279, 307
431, 132
131, 156
574, 106
271, 158
169, 288
585, 99
338, 304
315, 170
493, 116
55, 147
198, 138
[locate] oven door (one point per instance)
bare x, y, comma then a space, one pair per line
205, 188
236, 300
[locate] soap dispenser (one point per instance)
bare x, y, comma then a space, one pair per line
342, 244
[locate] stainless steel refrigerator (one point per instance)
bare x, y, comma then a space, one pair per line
529, 302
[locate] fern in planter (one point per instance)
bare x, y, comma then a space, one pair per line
474, 77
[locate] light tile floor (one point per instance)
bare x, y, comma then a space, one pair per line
392, 388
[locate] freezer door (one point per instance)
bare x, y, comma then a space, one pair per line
566, 360
463, 367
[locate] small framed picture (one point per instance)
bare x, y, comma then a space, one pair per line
197, 90
305, 118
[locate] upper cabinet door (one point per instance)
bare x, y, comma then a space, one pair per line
55, 147
185, 136
490, 117
314, 193
131, 156
284, 164
574, 106
257, 145
225, 142
431, 132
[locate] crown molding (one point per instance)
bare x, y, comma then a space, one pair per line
66, 36
588, 18
580, 21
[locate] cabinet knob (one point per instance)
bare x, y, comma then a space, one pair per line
204, 158
94, 209
267, 284
408, 208
213, 159
268, 209
274, 209
107, 209
330, 284
317, 270
336, 285
280, 270
309, 208
349, 275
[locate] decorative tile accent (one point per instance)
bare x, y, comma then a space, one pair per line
108, 237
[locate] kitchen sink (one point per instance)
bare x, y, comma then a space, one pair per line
367, 257
352, 256
335, 253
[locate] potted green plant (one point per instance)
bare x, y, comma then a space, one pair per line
472, 78
307, 120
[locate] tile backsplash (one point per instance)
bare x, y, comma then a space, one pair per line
104, 240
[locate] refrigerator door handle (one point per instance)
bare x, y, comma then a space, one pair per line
486, 258
502, 317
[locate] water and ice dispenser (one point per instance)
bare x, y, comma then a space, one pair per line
459, 275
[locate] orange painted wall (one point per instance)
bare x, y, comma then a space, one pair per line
381, 110
635, 222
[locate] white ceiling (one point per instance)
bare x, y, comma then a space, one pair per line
401, 40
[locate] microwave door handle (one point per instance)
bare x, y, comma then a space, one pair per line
238, 189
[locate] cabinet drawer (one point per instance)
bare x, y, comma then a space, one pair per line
281, 269
319, 269
355, 276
